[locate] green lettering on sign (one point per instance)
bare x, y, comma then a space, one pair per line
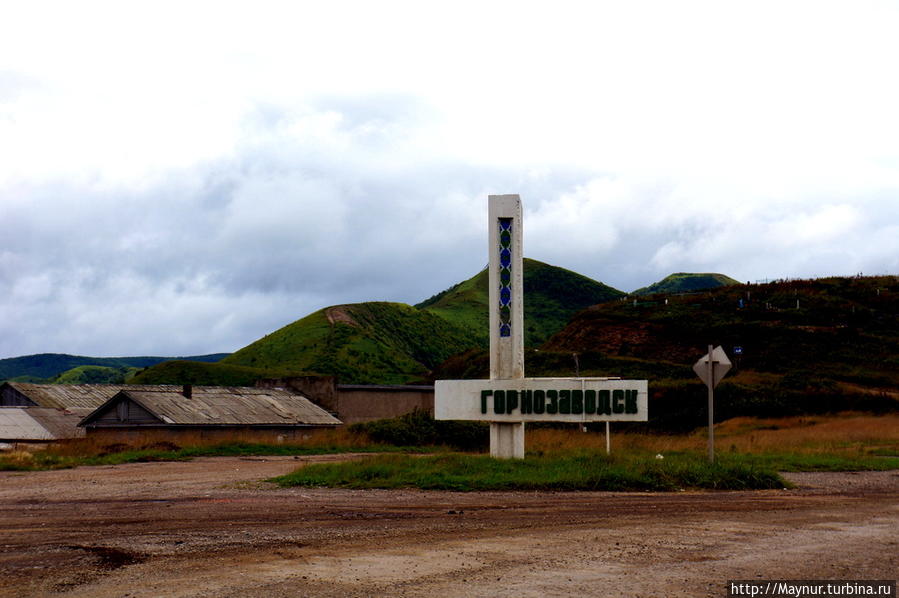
527, 401
563, 402
577, 401
553, 407
630, 401
484, 395
605, 405
499, 401
511, 400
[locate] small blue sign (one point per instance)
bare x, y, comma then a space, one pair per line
738, 350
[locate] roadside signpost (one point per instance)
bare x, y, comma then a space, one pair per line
711, 368
507, 400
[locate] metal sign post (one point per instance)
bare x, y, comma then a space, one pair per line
711, 368
507, 400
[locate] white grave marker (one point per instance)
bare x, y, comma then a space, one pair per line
507, 400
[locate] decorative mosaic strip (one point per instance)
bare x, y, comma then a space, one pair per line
505, 276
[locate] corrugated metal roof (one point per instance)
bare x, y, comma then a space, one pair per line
71, 396
16, 423
212, 405
59, 422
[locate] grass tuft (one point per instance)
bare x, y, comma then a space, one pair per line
586, 471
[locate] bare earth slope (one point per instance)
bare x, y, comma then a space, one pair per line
210, 528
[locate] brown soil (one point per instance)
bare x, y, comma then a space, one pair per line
212, 527
340, 314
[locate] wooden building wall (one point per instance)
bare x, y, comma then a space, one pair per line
185, 435
10, 397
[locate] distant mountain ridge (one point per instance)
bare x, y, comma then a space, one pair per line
685, 282
42, 367
370, 342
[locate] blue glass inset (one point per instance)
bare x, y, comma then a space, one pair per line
505, 277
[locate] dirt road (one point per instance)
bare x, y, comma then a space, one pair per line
211, 527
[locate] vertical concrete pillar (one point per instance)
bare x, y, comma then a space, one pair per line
506, 312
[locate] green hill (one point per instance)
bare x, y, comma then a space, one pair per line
387, 343
95, 374
374, 342
837, 351
551, 296
44, 367
807, 346
684, 282
204, 374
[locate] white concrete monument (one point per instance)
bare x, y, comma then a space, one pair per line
507, 400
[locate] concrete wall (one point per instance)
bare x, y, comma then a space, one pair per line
367, 403
353, 403
321, 390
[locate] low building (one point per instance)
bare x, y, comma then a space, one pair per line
355, 403
27, 409
37, 425
76, 398
206, 413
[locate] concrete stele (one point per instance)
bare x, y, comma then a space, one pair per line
506, 283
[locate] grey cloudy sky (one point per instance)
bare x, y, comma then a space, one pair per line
185, 177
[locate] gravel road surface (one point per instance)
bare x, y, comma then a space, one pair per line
213, 527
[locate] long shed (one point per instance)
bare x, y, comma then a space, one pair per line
48, 412
206, 412
72, 397
37, 425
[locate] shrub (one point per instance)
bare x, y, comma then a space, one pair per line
419, 428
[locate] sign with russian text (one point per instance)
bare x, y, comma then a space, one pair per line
542, 399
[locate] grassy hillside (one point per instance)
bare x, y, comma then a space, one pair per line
95, 374
379, 342
44, 367
839, 350
205, 374
374, 342
683, 282
551, 296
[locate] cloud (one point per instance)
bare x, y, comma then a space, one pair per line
193, 195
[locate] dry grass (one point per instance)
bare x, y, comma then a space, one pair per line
18, 456
94, 446
847, 433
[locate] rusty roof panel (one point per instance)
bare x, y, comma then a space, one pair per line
60, 423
